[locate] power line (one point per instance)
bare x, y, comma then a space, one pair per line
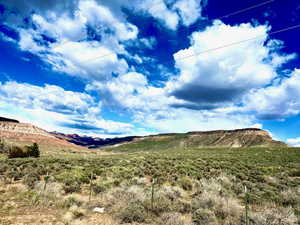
247, 9
240, 42
217, 48
221, 17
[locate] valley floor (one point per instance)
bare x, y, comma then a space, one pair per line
163, 187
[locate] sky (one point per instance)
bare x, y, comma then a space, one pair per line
111, 68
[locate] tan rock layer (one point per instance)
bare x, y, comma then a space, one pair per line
28, 133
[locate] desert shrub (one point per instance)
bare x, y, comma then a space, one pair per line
51, 189
102, 186
134, 211
4, 147
274, 216
126, 203
186, 183
161, 204
173, 219
290, 197
70, 187
17, 152
75, 200
204, 217
77, 212
31, 179
213, 197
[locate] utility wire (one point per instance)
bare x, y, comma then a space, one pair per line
217, 48
246, 9
225, 16
239, 42
221, 17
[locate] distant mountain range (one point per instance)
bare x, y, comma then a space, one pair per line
13, 130
91, 142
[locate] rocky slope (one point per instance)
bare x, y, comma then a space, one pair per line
250, 137
27, 133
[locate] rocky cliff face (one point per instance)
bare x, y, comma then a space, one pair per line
28, 133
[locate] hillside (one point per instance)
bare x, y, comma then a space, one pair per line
17, 132
91, 142
250, 137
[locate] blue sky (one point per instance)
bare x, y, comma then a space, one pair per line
120, 67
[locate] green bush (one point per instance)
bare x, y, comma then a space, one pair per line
133, 212
33, 150
24, 152
72, 187
186, 183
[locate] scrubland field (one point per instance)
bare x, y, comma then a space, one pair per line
144, 184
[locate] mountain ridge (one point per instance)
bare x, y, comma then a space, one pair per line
15, 131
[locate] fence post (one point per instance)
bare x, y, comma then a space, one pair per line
246, 206
91, 186
152, 193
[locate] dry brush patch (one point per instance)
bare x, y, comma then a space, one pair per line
194, 186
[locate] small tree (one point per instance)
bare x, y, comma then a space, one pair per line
33, 150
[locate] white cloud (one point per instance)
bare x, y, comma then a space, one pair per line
151, 107
223, 76
27, 41
90, 60
160, 11
61, 27
171, 13
189, 10
276, 102
131, 92
295, 142
53, 108
73, 53
183, 120
50, 97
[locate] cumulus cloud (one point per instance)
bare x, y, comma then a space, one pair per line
86, 38
130, 91
276, 102
224, 75
150, 106
160, 11
171, 13
56, 109
189, 10
86, 44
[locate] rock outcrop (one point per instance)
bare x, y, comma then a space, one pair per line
27, 133
250, 137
